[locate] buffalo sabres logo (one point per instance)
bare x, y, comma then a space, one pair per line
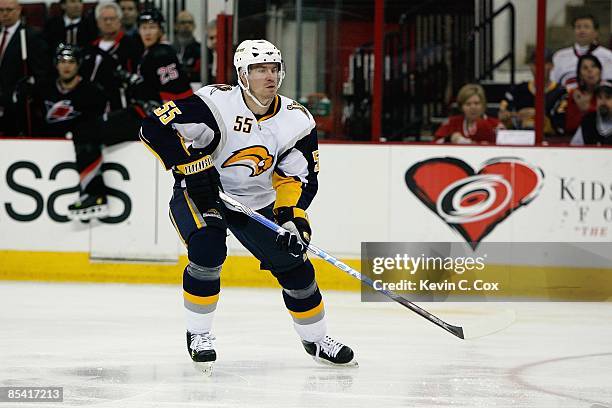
220, 87
257, 158
60, 111
295, 105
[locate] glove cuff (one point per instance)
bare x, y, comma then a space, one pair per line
284, 214
196, 166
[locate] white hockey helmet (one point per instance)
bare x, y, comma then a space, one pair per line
251, 52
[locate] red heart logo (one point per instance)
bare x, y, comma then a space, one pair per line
474, 203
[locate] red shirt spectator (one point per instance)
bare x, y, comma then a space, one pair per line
582, 100
473, 126
573, 114
482, 130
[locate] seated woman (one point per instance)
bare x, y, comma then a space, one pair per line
473, 126
582, 100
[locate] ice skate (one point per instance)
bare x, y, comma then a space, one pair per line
88, 207
331, 352
201, 351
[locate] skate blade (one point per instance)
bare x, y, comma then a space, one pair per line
205, 368
97, 211
351, 364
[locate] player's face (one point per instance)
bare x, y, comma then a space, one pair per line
67, 69
604, 104
10, 12
584, 31
73, 8
590, 73
108, 22
130, 13
263, 81
473, 108
150, 33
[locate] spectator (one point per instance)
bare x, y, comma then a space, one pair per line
160, 78
16, 74
211, 45
187, 47
517, 109
70, 27
473, 125
582, 99
596, 127
566, 59
70, 104
111, 52
129, 21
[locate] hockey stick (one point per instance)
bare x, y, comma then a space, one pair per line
455, 330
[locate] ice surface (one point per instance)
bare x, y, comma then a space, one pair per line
124, 346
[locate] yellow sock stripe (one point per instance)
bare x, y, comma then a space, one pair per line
309, 313
177, 228
194, 213
201, 300
196, 166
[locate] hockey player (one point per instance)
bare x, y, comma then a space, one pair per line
260, 148
71, 104
159, 79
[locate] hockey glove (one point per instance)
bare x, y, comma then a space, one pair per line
202, 182
295, 221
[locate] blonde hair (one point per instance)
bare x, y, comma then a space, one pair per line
469, 90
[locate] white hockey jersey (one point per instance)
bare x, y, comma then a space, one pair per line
565, 62
260, 160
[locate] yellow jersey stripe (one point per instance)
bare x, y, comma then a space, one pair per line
288, 190
274, 111
152, 151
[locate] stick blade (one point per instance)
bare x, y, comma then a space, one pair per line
488, 325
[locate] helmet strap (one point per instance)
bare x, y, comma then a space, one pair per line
247, 89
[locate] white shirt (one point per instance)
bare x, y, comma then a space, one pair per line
565, 63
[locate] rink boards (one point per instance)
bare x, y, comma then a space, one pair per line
367, 193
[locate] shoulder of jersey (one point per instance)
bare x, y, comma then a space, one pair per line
564, 53
603, 51
295, 111
163, 51
217, 91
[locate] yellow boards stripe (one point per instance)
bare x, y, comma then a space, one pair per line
201, 300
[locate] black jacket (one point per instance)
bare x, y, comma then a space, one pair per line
38, 65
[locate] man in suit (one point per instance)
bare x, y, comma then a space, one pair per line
16, 74
111, 56
71, 27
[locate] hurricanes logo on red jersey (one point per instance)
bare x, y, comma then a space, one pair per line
257, 158
60, 111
